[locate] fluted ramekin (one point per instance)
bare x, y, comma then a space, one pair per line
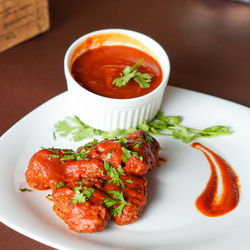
109, 113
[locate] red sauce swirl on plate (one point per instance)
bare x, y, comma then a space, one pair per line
210, 203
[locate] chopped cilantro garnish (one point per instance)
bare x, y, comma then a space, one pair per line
122, 140
118, 199
149, 139
60, 184
128, 153
54, 135
138, 143
114, 174
81, 197
74, 126
24, 190
67, 158
80, 182
92, 144
158, 126
128, 73
53, 150
129, 180
53, 156
108, 156
72, 155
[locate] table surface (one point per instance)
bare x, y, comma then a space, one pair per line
208, 43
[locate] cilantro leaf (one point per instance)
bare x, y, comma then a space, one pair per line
92, 144
109, 155
138, 143
158, 126
72, 155
143, 79
54, 135
129, 180
128, 73
20, 190
163, 123
81, 197
74, 126
114, 174
118, 199
60, 184
113, 133
128, 153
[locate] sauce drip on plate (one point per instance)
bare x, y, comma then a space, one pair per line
210, 202
96, 69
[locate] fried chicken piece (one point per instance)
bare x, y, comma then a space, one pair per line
44, 172
135, 193
47, 168
147, 147
104, 149
88, 217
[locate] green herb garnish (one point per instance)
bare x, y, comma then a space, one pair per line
158, 126
53, 156
24, 190
118, 199
114, 174
80, 182
128, 73
138, 143
53, 150
72, 155
108, 156
92, 144
163, 123
81, 197
74, 126
149, 139
54, 135
128, 153
129, 180
60, 184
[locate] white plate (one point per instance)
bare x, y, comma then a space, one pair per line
170, 219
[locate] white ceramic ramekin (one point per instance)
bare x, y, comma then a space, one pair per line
108, 113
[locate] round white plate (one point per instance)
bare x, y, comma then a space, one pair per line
170, 219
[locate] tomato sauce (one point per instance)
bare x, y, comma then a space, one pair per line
96, 69
210, 203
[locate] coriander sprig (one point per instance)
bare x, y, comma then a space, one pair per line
81, 197
60, 184
74, 126
69, 154
114, 174
118, 199
128, 153
160, 125
143, 79
20, 190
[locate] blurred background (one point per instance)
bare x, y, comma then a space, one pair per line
208, 43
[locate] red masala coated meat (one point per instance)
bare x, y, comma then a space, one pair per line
87, 217
104, 172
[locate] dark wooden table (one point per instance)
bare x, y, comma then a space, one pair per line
208, 43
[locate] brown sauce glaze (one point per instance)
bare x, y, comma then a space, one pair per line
210, 203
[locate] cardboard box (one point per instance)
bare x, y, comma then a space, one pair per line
21, 20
